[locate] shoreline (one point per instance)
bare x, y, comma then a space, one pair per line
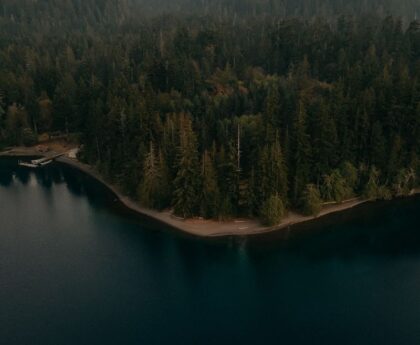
199, 227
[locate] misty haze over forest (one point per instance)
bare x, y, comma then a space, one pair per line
120, 10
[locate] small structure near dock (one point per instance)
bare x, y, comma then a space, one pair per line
39, 163
34, 164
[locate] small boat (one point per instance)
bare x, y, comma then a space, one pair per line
27, 165
45, 163
34, 164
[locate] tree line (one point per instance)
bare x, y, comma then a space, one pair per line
219, 118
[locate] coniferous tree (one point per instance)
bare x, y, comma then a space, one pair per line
272, 210
272, 176
374, 189
228, 181
404, 182
351, 177
210, 195
311, 201
272, 112
326, 141
302, 153
150, 184
187, 180
335, 187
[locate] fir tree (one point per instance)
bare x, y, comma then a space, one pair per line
302, 153
152, 191
311, 201
272, 210
187, 180
210, 195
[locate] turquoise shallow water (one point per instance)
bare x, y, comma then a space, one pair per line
76, 268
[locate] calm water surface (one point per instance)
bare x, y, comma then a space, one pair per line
76, 268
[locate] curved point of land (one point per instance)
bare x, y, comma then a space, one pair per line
204, 227
197, 227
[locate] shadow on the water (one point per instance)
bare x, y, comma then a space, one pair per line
23, 175
74, 182
44, 177
369, 229
7, 170
185, 251
80, 184
6, 178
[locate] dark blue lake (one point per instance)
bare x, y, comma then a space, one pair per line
77, 268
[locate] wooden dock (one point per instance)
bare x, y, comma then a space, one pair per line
46, 158
39, 163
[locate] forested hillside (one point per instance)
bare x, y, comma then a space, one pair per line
232, 108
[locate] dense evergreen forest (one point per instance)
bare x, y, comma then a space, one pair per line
221, 108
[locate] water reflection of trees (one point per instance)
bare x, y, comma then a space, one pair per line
74, 181
8, 167
79, 184
44, 177
377, 229
6, 177
23, 175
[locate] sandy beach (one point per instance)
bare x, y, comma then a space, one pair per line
196, 227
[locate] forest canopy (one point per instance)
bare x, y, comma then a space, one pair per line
217, 108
